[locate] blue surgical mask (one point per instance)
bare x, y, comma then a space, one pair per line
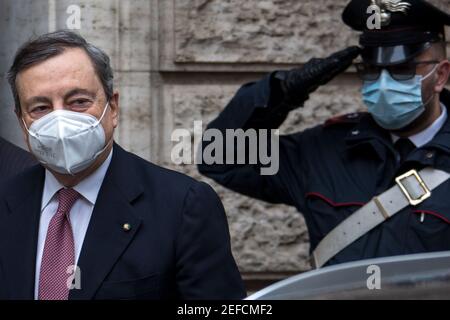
395, 104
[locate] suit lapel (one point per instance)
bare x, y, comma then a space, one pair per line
21, 232
106, 238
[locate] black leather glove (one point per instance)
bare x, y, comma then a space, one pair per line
297, 84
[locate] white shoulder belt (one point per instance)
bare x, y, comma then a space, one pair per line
411, 189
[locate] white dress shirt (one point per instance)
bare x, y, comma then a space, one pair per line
422, 138
80, 214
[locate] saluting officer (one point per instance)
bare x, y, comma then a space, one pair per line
369, 184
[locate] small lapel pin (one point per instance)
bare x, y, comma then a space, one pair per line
126, 227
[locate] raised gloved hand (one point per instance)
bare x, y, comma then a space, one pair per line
297, 84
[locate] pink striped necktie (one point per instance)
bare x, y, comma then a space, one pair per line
59, 250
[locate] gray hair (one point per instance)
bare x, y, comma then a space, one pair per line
52, 44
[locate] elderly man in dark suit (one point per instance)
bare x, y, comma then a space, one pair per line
94, 221
12, 159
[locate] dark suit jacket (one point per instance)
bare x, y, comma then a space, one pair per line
178, 246
13, 160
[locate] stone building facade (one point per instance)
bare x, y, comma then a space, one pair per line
180, 61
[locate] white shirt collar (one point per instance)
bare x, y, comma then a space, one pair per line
88, 188
422, 138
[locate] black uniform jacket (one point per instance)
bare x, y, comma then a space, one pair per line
329, 171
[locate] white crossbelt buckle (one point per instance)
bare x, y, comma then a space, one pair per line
413, 187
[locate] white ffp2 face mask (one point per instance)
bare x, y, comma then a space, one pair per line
67, 142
